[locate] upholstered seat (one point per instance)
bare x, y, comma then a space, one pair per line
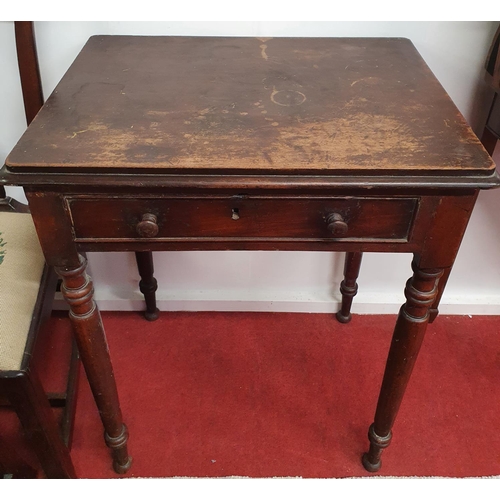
21, 269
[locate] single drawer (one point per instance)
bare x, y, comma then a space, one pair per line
243, 218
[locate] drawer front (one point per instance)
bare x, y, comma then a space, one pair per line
242, 218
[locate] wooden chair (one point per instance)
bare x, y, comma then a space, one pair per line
27, 288
27, 283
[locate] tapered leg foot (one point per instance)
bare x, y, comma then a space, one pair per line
148, 284
343, 319
365, 460
122, 469
152, 315
349, 287
371, 460
118, 445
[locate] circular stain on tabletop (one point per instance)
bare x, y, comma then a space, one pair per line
288, 97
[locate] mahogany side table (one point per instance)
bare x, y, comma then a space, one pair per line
193, 143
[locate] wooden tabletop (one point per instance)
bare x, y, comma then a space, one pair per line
250, 105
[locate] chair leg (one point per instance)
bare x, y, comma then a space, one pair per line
12, 466
148, 284
349, 287
28, 399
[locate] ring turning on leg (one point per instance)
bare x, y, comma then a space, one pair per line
349, 287
122, 461
148, 284
371, 460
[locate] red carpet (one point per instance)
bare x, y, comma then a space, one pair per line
275, 394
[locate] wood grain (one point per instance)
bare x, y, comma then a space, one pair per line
178, 104
258, 217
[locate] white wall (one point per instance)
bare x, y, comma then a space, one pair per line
285, 281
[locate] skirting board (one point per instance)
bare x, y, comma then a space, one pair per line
281, 301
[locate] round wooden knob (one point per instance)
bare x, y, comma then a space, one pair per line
336, 225
147, 228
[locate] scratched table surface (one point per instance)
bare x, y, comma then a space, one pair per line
250, 105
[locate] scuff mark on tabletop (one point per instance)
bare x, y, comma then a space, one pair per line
263, 48
367, 79
267, 157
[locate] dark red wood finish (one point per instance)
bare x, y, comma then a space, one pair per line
273, 217
225, 105
78, 291
29, 71
250, 144
348, 286
148, 284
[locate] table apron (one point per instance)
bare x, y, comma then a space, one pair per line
106, 222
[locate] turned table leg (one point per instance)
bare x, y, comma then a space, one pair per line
434, 310
421, 291
349, 287
78, 292
148, 284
